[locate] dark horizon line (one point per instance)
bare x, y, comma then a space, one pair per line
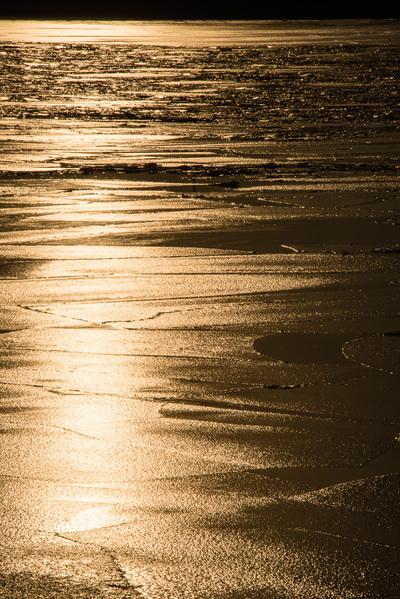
156, 10
91, 17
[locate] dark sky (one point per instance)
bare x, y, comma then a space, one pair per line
195, 9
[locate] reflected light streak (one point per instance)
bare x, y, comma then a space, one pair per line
102, 420
170, 33
72, 31
96, 516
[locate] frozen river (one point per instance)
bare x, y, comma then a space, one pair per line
199, 334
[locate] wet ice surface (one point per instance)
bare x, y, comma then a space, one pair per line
199, 330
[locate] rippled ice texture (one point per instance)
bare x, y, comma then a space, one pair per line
79, 95
199, 344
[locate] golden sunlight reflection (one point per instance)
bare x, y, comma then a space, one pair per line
92, 517
72, 31
90, 370
170, 33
